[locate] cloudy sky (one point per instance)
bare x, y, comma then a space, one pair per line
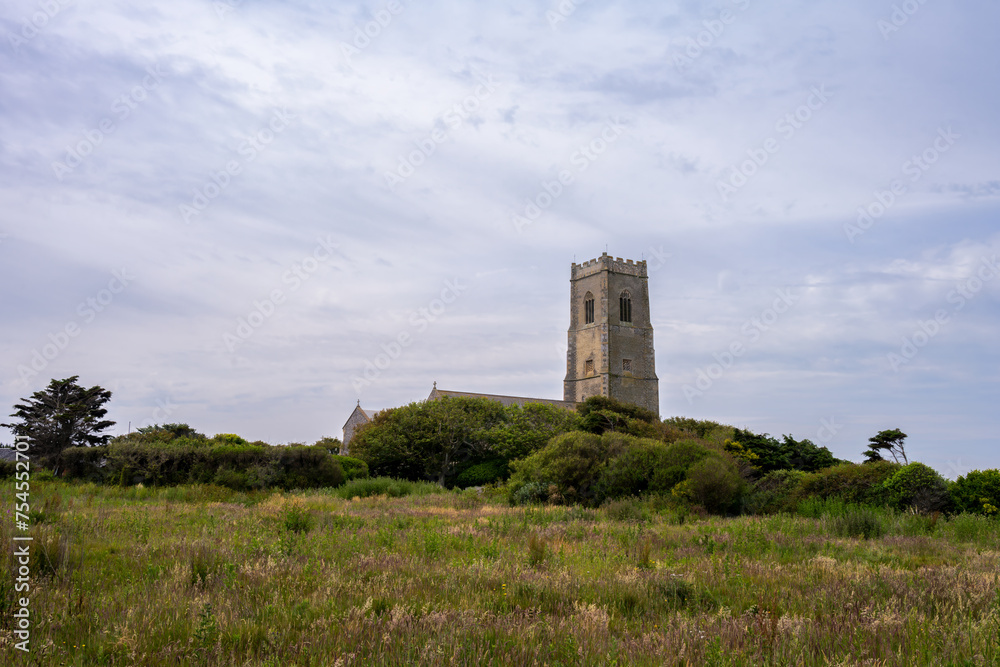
226, 211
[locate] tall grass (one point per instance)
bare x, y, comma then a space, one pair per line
376, 577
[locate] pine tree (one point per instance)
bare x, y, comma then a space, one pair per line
63, 415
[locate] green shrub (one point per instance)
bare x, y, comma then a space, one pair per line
974, 528
859, 522
536, 550
385, 486
777, 491
978, 492
530, 492
353, 468
918, 486
84, 463
298, 520
221, 461
714, 483
636, 470
852, 483
625, 509
572, 463
481, 474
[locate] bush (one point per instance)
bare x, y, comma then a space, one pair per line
298, 520
530, 492
85, 463
978, 492
638, 469
852, 483
919, 486
572, 463
626, 509
237, 466
715, 484
777, 491
385, 486
481, 474
353, 468
859, 522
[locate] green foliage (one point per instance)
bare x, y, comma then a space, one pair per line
701, 428
624, 509
714, 483
919, 486
643, 466
859, 522
600, 414
385, 486
353, 468
648, 466
536, 550
977, 492
330, 444
298, 520
484, 473
241, 466
777, 491
851, 482
438, 440
229, 439
168, 432
62, 415
529, 492
571, 462
887, 441
789, 454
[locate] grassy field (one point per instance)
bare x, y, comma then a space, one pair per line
204, 575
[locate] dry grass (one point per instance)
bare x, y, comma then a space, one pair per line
200, 575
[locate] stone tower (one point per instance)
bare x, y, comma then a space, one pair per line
610, 349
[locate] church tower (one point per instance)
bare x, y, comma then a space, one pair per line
610, 350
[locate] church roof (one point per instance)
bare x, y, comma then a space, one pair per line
505, 400
367, 414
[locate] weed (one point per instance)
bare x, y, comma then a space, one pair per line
536, 550
298, 520
859, 522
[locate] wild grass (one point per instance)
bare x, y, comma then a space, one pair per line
208, 576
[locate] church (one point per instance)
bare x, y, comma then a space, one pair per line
610, 343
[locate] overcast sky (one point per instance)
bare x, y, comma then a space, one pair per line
224, 212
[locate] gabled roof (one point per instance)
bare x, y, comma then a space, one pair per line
367, 414
504, 400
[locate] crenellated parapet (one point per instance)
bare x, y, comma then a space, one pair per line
606, 262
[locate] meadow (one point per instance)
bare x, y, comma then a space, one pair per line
397, 573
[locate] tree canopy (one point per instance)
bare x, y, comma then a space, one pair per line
438, 440
62, 415
887, 441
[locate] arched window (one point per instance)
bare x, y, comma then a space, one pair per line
588, 308
625, 306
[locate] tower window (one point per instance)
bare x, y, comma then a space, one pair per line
625, 307
589, 367
588, 308
626, 365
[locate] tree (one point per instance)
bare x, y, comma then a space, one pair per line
330, 444
890, 441
440, 440
600, 414
63, 415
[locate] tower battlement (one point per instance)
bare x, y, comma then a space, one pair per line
608, 263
